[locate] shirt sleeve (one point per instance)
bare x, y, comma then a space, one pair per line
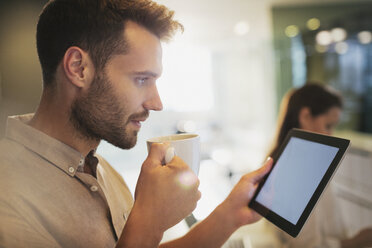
15, 232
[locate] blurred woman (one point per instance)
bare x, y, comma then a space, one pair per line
311, 107
317, 109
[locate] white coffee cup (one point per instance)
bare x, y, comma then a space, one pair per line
185, 146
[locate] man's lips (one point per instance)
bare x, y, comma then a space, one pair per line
136, 119
137, 122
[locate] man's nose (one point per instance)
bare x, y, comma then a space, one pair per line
154, 101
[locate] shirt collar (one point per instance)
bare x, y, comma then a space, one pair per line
59, 154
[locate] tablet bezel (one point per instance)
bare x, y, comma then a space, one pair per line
285, 225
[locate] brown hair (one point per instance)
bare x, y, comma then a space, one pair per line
96, 26
312, 95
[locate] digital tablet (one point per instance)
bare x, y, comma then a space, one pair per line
304, 165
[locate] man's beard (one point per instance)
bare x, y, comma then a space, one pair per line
99, 115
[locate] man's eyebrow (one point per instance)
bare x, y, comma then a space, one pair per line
145, 73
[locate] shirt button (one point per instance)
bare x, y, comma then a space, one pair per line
94, 188
71, 169
81, 162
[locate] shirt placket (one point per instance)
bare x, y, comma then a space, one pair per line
92, 184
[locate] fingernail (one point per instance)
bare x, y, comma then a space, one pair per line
169, 154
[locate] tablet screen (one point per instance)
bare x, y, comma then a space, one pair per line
303, 163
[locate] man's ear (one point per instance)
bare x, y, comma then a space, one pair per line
78, 67
305, 117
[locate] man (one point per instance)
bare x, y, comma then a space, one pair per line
100, 60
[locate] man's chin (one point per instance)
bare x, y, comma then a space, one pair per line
129, 146
126, 144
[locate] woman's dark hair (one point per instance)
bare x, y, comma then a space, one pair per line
96, 26
314, 96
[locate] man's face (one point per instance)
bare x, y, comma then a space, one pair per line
121, 96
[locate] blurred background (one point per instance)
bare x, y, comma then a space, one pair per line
224, 78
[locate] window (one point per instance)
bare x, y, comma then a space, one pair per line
186, 83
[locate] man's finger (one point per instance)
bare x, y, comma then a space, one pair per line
178, 162
257, 175
157, 153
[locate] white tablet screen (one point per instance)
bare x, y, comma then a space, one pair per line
295, 177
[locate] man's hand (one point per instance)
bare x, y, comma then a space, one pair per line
164, 196
236, 204
227, 217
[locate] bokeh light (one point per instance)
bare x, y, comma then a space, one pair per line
365, 37
187, 179
321, 49
338, 34
324, 38
186, 126
341, 47
291, 31
313, 24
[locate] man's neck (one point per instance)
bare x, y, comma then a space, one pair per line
52, 119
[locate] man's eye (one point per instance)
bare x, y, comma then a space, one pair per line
141, 80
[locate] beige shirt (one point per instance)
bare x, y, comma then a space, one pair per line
46, 200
